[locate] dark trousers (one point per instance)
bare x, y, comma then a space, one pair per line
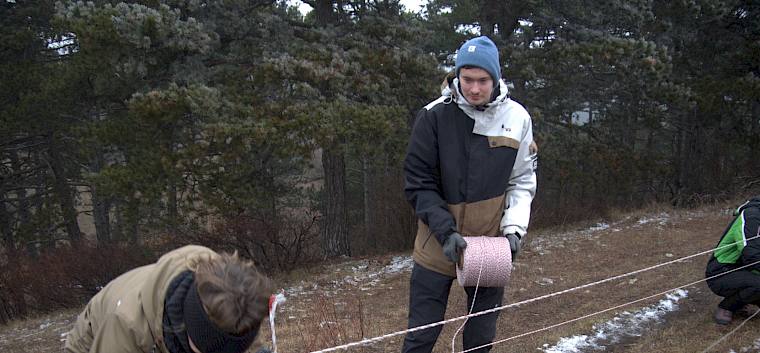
738, 289
428, 296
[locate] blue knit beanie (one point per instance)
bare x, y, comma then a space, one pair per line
480, 52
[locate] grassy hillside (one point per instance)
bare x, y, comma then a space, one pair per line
342, 302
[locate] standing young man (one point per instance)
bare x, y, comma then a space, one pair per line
192, 300
470, 171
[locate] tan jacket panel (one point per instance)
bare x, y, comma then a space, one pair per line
480, 218
126, 315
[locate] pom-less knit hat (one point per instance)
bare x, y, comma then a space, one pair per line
480, 52
205, 334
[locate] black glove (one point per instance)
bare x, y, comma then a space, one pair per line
514, 243
453, 245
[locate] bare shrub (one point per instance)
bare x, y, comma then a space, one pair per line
61, 278
275, 243
332, 324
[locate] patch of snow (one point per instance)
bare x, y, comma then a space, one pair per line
400, 264
661, 219
570, 345
543, 243
754, 348
628, 324
362, 276
327, 323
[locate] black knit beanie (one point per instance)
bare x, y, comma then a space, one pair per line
205, 334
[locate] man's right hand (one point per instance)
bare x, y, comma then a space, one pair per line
514, 244
453, 246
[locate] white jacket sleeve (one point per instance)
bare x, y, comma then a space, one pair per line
522, 185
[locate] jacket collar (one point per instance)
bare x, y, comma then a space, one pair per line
753, 202
451, 93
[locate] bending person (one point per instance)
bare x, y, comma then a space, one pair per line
192, 300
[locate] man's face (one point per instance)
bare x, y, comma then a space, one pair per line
476, 85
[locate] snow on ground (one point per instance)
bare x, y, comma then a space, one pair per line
661, 219
543, 243
628, 324
362, 276
754, 348
38, 330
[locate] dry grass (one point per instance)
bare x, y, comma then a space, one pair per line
41, 334
332, 311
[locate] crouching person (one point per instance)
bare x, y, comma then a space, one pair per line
733, 271
192, 300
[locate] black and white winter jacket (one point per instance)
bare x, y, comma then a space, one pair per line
469, 170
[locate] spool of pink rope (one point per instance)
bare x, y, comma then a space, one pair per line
488, 258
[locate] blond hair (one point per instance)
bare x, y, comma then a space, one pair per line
235, 295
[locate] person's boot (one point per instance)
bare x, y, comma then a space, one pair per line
723, 316
746, 311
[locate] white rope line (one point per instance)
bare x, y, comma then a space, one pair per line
610, 309
472, 306
484, 312
730, 333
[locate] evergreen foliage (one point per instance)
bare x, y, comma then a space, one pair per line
248, 125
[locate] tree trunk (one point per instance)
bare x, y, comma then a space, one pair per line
172, 207
324, 12
63, 192
101, 217
117, 233
334, 230
101, 207
367, 187
126, 225
509, 17
685, 182
23, 208
132, 220
335, 221
9, 241
173, 203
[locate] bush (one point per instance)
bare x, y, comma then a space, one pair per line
60, 278
275, 243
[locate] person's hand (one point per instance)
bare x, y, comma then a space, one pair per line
454, 245
514, 243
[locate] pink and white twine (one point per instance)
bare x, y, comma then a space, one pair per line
486, 262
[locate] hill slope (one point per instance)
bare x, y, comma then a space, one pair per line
343, 302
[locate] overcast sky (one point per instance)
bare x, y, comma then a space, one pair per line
411, 5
